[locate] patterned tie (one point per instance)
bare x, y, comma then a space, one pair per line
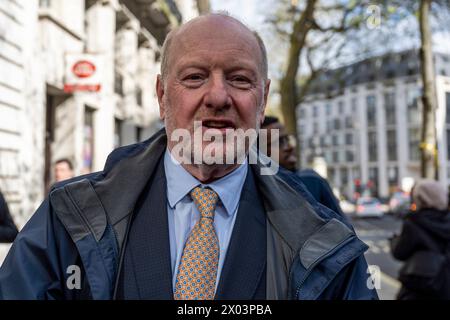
196, 279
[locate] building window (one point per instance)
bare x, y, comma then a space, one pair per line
335, 140
372, 144
45, 3
335, 157
372, 184
354, 105
337, 124
88, 140
139, 134
315, 128
329, 125
118, 83
392, 176
414, 140
344, 176
349, 122
315, 111
414, 112
331, 175
391, 136
139, 96
118, 133
349, 139
389, 105
349, 156
448, 144
447, 108
341, 107
371, 111
302, 112
328, 108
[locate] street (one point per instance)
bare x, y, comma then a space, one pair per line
375, 232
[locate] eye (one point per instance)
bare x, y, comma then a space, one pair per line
241, 81
193, 79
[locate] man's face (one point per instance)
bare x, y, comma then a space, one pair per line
62, 171
214, 76
287, 158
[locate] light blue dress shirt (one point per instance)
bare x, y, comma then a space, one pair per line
183, 213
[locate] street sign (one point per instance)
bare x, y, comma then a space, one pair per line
82, 72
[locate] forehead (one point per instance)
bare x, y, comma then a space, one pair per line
210, 39
61, 165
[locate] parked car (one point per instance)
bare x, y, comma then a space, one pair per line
368, 207
347, 207
400, 203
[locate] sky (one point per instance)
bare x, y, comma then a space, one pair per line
245, 10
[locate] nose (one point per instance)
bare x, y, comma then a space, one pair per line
217, 96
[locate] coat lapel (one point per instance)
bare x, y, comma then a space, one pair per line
149, 243
243, 273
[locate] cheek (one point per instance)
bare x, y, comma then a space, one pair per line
181, 106
249, 107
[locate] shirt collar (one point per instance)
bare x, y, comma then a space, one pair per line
180, 182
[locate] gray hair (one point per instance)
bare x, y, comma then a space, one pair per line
165, 51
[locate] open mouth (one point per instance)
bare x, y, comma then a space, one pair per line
218, 124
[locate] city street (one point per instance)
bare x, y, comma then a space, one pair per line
375, 232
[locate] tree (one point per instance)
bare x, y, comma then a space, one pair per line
428, 146
306, 22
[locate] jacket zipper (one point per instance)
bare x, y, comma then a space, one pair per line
321, 259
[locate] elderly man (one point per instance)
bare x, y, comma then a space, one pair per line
158, 223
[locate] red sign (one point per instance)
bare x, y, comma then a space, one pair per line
83, 72
83, 69
81, 87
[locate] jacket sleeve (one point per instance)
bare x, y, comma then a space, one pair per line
403, 245
8, 230
32, 268
352, 283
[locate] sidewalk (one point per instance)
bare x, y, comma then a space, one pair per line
389, 287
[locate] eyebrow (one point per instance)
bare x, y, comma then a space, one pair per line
195, 63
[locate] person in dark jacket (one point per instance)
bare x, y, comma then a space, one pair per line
8, 230
150, 225
424, 244
318, 187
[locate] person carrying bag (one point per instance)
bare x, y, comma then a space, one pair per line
423, 245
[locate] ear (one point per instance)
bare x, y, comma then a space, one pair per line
160, 94
266, 95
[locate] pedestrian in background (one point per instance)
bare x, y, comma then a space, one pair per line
8, 230
317, 186
63, 170
424, 245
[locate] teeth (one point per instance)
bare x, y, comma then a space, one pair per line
214, 124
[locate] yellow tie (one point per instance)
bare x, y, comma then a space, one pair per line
196, 279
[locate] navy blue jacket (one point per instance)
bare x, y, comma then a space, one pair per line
319, 189
312, 252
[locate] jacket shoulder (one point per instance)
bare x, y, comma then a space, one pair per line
296, 182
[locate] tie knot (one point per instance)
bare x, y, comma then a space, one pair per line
205, 200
